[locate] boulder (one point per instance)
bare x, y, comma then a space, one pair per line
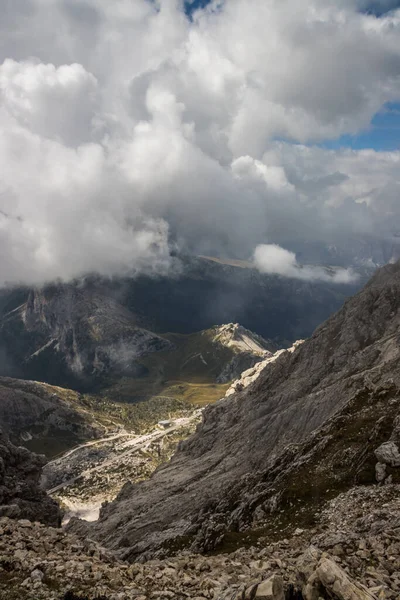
388, 454
271, 589
380, 471
330, 578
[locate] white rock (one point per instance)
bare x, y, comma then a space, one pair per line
271, 589
380, 471
388, 453
37, 575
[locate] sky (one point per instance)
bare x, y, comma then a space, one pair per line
135, 130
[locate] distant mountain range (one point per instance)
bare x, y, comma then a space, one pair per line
142, 333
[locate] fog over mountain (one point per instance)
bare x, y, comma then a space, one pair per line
130, 130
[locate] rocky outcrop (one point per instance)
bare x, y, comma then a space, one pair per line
330, 579
44, 418
248, 349
20, 494
322, 409
251, 375
241, 339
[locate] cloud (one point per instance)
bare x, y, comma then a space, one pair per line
57, 103
128, 129
274, 260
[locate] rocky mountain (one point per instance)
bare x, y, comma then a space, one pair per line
51, 420
74, 336
265, 459
44, 418
20, 494
209, 291
89, 333
79, 336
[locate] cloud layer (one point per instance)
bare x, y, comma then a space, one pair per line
274, 260
128, 129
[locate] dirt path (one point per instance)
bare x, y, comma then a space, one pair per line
133, 445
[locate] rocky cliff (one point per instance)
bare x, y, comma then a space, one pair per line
75, 336
306, 429
20, 494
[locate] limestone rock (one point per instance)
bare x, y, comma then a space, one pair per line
271, 589
336, 582
388, 454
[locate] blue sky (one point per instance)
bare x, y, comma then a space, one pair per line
377, 7
380, 7
383, 133
192, 5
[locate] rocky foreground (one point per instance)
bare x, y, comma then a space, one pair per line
352, 553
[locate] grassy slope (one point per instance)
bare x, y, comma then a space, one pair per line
187, 373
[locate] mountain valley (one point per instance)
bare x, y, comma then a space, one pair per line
240, 466
169, 492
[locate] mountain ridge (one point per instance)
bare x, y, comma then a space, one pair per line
247, 432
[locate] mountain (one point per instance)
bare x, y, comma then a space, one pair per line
190, 370
74, 336
196, 368
211, 291
267, 458
79, 334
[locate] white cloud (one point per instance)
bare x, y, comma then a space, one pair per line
125, 127
54, 102
274, 260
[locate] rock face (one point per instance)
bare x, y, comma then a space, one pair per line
306, 429
241, 339
74, 335
20, 494
247, 347
44, 418
250, 375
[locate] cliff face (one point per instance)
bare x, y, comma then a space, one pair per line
20, 494
75, 336
241, 465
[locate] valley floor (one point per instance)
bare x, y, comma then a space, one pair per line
94, 472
